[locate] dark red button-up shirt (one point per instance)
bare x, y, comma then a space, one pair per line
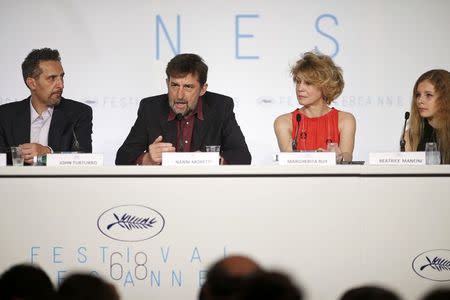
185, 127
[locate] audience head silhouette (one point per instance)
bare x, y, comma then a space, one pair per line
225, 277
369, 293
86, 287
438, 294
26, 282
269, 286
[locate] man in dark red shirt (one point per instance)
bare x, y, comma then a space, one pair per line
187, 118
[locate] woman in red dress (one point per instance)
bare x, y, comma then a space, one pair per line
318, 81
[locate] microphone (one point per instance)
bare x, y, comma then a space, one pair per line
402, 140
75, 144
179, 117
294, 142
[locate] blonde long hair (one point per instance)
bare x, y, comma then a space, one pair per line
440, 79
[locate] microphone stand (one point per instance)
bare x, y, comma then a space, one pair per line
402, 140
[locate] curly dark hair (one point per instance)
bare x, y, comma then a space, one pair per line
30, 66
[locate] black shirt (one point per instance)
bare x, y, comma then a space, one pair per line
429, 136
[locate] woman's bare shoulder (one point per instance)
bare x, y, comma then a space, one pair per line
346, 116
283, 120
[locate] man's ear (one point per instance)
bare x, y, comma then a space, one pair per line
31, 83
167, 82
203, 90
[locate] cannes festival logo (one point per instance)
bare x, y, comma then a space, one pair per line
433, 265
130, 223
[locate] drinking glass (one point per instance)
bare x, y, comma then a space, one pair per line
334, 147
16, 154
432, 154
212, 148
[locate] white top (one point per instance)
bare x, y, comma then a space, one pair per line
40, 125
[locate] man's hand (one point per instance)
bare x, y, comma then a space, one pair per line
155, 150
31, 150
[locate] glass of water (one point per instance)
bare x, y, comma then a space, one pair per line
212, 148
16, 155
334, 147
432, 154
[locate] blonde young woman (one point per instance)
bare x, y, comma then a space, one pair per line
318, 81
430, 113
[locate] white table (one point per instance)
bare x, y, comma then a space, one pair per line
331, 228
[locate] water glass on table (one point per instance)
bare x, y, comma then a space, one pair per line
16, 155
334, 147
432, 154
212, 148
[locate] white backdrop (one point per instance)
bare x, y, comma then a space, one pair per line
113, 57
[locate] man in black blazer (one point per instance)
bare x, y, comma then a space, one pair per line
45, 122
187, 118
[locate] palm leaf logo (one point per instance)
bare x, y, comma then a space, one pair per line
438, 264
132, 222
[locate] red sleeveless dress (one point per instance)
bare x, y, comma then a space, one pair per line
315, 133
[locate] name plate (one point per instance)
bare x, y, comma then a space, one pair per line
397, 158
74, 160
190, 158
307, 158
2, 159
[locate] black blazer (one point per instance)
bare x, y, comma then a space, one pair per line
219, 127
70, 120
